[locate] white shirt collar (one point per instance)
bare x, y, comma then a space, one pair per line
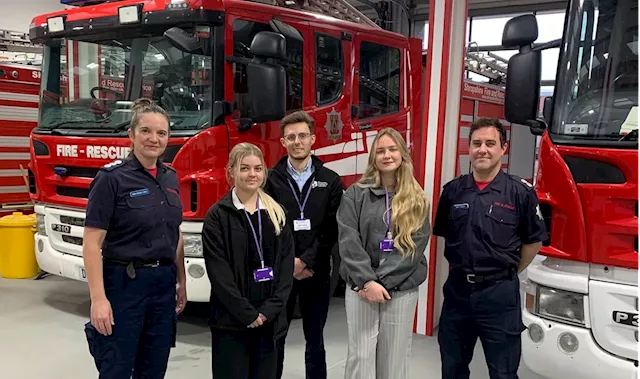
237, 203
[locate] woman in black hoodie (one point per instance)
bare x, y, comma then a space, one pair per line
248, 252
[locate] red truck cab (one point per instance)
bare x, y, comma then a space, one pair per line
227, 72
582, 294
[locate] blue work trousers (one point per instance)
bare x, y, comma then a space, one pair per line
145, 323
489, 311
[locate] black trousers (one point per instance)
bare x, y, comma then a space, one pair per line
144, 312
489, 311
313, 298
243, 354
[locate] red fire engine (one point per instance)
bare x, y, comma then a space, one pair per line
582, 297
19, 87
227, 72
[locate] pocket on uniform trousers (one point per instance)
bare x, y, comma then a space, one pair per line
101, 347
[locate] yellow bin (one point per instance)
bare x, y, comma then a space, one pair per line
17, 249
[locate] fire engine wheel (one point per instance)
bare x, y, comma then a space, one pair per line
105, 89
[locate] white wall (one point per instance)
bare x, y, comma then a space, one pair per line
19, 14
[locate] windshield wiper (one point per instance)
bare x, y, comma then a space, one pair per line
61, 123
631, 136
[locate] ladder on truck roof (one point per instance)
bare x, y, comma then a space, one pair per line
13, 44
487, 64
340, 9
11, 40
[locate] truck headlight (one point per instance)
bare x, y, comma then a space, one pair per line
40, 226
555, 304
192, 245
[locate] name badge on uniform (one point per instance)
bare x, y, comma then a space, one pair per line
140, 192
263, 274
301, 224
461, 206
386, 245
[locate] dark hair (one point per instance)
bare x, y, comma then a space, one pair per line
296, 117
486, 122
141, 106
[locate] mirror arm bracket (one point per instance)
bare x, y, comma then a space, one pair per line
537, 127
241, 60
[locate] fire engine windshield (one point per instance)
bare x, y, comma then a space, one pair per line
597, 86
90, 84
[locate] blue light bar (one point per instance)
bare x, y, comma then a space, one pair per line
61, 171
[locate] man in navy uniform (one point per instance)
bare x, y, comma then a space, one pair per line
311, 194
493, 228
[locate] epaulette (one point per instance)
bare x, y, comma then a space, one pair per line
113, 165
169, 167
523, 182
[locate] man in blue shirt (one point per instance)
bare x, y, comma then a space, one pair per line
311, 194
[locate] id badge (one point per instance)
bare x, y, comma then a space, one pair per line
263, 274
386, 245
301, 224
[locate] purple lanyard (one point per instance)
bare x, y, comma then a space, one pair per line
388, 211
301, 206
255, 237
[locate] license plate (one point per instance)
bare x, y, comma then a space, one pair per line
82, 274
61, 228
625, 318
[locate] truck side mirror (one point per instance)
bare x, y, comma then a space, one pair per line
183, 41
267, 84
520, 31
522, 93
266, 79
269, 45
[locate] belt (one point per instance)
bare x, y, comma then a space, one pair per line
474, 278
139, 263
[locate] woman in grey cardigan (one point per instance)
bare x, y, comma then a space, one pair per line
383, 224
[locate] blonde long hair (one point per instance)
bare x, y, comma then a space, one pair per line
409, 206
239, 152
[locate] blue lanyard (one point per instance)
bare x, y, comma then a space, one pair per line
301, 206
388, 212
255, 237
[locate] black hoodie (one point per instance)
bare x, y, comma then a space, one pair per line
231, 257
313, 246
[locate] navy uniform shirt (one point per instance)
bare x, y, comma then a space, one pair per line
485, 229
140, 213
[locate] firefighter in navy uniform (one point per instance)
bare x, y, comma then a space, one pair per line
133, 254
493, 229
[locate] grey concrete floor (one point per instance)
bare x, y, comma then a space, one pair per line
41, 336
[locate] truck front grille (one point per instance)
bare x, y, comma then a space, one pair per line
82, 193
72, 240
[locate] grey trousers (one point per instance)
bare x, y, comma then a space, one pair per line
379, 336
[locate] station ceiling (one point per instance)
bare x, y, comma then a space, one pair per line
476, 7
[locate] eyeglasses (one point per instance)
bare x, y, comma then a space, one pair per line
292, 137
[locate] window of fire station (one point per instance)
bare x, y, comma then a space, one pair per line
379, 80
243, 33
329, 68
